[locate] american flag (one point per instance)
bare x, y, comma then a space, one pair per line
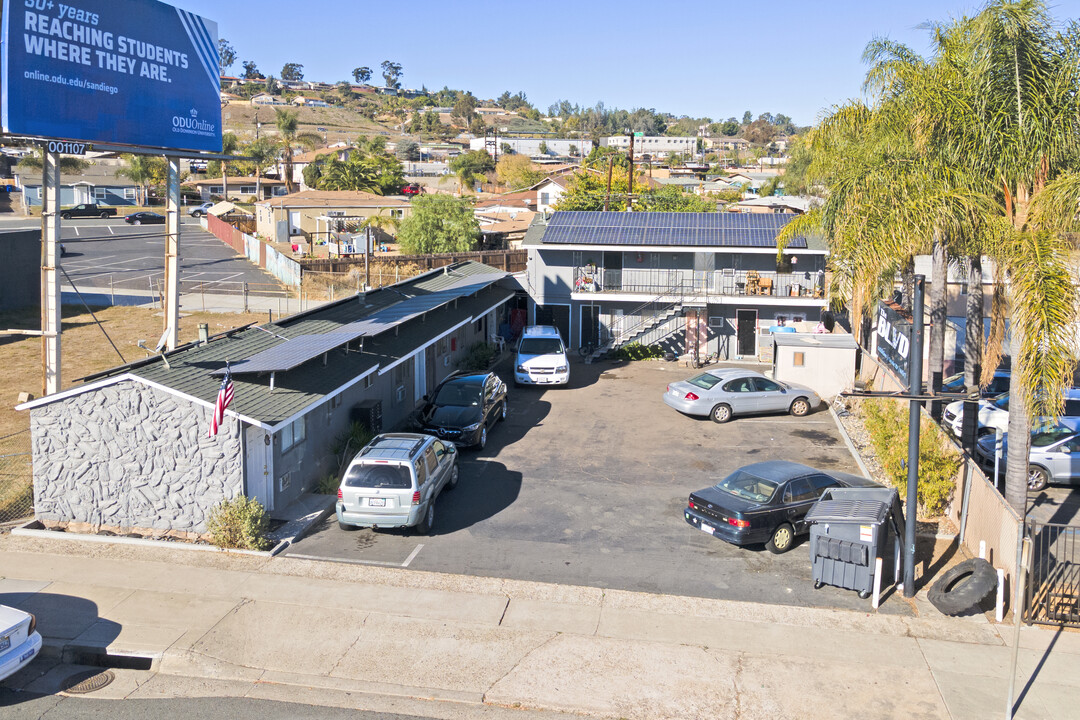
224, 397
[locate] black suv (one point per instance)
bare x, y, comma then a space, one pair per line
463, 407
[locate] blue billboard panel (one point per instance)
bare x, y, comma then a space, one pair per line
128, 72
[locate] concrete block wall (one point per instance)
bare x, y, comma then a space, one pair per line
132, 457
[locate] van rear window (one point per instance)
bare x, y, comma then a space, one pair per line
378, 476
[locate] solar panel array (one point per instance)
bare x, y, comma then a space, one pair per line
668, 228
298, 350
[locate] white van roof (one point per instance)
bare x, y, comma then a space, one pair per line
540, 331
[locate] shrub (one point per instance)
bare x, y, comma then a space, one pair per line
886, 423
478, 358
240, 523
328, 485
637, 351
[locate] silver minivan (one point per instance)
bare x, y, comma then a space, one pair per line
394, 482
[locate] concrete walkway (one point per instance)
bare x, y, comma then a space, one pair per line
330, 633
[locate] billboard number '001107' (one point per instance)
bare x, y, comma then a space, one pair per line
130, 72
67, 148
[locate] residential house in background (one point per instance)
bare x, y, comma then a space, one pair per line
727, 143
563, 147
96, 184
340, 151
316, 214
776, 204
309, 101
652, 145
128, 449
266, 99
704, 281
240, 188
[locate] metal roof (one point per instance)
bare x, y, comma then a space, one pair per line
756, 230
842, 341
192, 369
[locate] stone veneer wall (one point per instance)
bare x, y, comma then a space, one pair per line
133, 457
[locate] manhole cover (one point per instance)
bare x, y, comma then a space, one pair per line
87, 681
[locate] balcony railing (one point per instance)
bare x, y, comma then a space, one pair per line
684, 283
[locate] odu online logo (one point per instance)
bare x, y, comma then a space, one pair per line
192, 123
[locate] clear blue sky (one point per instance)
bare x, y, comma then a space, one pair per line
704, 58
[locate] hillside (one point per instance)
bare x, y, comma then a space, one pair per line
340, 123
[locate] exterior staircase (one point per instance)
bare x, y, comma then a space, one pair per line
639, 323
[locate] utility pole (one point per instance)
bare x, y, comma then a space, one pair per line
607, 198
915, 388
171, 332
630, 187
50, 263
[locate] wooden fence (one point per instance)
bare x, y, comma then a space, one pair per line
508, 260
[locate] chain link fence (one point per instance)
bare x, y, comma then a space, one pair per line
16, 477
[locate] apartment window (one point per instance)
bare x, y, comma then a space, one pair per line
545, 198
217, 189
129, 193
247, 189
397, 213
100, 194
799, 359
293, 434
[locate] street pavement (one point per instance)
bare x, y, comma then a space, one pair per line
384, 639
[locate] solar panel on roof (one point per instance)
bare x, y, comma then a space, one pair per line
667, 228
300, 349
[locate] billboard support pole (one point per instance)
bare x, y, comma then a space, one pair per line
172, 254
50, 262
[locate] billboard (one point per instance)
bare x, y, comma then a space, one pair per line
894, 340
127, 72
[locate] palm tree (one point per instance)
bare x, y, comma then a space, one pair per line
289, 139
143, 170
229, 143
262, 152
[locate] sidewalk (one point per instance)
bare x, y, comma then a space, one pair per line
310, 632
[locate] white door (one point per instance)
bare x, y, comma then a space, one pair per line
419, 375
294, 222
258, 466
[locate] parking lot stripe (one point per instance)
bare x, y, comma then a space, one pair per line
351, 561
412, 555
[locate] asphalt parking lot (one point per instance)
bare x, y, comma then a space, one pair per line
586, 486
110, 253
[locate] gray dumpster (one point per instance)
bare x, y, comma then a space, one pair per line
849, 529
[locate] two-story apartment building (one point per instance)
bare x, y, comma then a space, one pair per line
709, 282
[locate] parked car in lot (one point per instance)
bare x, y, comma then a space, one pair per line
87, 210
722, 393
1054, 458
200, 210
765, 502
998, 385
413, 189
994, 413
144, 218
19, 640
394, 482
463, 407
541, 357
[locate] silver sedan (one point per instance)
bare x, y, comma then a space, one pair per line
726, 392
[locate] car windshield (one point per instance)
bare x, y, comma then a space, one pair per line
704, 380
378, 476
954, 383
461, 394
1002, 403
540, 346
1047, 438
748, 487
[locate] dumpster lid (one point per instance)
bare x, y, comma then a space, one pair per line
872, 512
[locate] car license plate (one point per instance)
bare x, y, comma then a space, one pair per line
27, 655
376, 502
707, 528
5, 642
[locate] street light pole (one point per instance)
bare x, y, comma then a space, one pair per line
915, 387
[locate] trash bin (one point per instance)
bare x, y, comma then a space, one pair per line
849, 529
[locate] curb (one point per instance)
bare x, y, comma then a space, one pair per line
850, 445
25, 531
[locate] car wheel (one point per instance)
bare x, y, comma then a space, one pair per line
483, 438
136, 222
104, 215
65, 216
800, 407
721, 413
453, 481
347, 527
425, 525
502, 413
1038, 478
781, 539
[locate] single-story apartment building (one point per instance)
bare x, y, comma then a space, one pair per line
315, 213
129, 448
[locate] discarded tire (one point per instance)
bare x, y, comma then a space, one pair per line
962, 588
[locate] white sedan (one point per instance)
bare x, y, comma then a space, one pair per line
19, 641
